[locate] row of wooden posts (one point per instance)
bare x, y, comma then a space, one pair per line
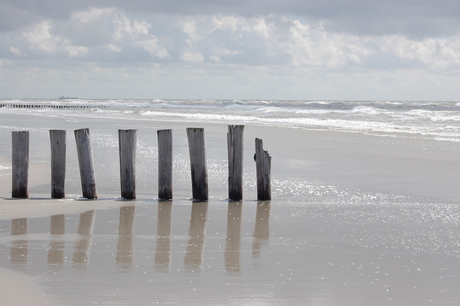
127, 152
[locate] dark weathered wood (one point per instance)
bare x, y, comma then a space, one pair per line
198, 163
20, 164
235, 162
127, 140
85, 159
58, 163
263, 169
165, 164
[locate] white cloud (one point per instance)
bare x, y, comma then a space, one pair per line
41, 38
434, 53
17, 52
189, 56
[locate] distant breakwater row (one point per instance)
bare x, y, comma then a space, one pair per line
62, 106
127, 153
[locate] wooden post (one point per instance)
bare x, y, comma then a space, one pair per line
235, 162
85, 159
58, 163
263, 167
127, 147
198, 163
164, 164
20, 164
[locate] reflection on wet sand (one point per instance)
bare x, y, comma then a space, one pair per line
125, 258
232, 246
163, 246
125, 251
56, 252
19, 248
194, 253
262, 229
83, 242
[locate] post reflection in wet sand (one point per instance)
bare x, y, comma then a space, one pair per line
56, 252
262, 229
232, 246
83, 242
164, 229
19, 248
194, 253
125, 250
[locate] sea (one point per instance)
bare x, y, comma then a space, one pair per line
437, 120
364, 210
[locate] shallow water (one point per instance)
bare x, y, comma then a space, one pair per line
354, 219
241, 253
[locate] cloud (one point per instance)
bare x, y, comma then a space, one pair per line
319, 42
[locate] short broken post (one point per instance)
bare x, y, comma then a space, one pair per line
198, 163
20, 165
127, 142
235, 162
85, 160
263, 168
164, 164
58, 163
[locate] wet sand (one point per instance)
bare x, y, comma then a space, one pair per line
354, 220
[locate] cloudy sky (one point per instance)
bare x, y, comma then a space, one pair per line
231, 49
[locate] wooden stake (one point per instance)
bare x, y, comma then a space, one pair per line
85, 159
165, 164
58, 163
235, 162
263, 168
20, 164
198, 163
127, 147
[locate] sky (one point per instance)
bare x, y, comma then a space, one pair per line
231, 49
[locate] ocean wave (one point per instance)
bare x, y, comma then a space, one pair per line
427, 119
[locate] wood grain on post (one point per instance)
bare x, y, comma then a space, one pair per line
164, 164
85, 160
235, 162
263, 168
20, 164
198, 163
127, 147
58, 163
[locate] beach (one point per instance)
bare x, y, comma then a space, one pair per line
357, 216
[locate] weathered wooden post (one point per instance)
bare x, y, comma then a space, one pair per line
235, 162
20, 151
263, 167
127, 147
85, 160
164, 164
198, 163
58, 163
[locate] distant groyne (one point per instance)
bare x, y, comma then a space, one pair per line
38, 105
